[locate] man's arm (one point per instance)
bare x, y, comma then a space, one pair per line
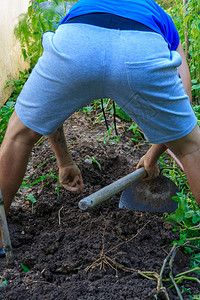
184, 72
69, 174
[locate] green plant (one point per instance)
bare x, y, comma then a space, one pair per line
32, 199
25, 268
17, 84
95, 161
3, 281
26, 182
96, 107
41, 16
165, 4
120, 113
186, 220
5, 114
108, 138
187, 20
137, 132
195, 297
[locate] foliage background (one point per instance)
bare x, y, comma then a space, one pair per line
45, 16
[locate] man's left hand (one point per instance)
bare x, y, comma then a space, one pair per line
71, 179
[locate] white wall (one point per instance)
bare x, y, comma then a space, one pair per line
11, 59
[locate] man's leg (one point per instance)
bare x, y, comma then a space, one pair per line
14, 154
187, 150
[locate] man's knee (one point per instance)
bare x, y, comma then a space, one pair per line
19, 132
187, 144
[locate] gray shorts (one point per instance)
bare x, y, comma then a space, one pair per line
83, 62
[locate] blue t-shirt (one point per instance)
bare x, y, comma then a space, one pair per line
147, 12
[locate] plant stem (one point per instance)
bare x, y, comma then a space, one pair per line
171, 274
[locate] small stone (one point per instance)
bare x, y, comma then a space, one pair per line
74, 153
88, 161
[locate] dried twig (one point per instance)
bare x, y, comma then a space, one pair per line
43, 282
59, 218
129, 240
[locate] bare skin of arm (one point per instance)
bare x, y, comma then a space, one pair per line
69, 174
149, 160
14, 154
184, 72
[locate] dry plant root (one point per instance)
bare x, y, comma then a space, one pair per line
104, 260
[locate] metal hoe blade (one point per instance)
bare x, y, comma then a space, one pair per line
154, 196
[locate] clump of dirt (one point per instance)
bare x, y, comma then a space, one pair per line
92, 255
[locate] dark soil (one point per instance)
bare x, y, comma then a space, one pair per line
71, 254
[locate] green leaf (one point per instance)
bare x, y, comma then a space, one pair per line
121, 113
194, 80
196, 217
189, 214
176, 198
25, 268
31, 198
197, 258
196, 87
96, 162
182, 207
4, 282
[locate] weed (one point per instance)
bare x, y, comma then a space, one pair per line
26, 182
95, 161
86, 109
32, 199
17, 84
96, 106
5, 114
120, 113
108, 138
137, 132
41, 178
25, 268
184, 289
186, 220
3, 281
195, 297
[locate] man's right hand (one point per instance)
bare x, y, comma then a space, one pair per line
149, 161
152, 169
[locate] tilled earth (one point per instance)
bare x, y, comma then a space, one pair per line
98, 254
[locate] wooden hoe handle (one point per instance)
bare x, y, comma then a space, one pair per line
111, 189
